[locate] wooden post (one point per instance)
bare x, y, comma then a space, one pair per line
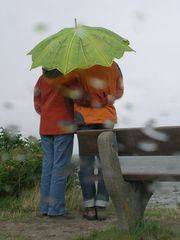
129, 198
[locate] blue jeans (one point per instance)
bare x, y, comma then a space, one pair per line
57, 152
93, 195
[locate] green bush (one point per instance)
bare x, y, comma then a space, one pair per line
20, 162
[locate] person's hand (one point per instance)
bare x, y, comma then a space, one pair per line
110, 99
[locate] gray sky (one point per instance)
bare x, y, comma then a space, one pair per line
151, 75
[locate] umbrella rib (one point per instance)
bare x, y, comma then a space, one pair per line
81, 44
103, 56
68, 50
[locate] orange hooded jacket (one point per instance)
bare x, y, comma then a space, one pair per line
101, 80
53, 100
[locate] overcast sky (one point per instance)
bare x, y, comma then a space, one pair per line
151, 75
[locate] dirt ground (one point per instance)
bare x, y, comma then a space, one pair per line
38, 228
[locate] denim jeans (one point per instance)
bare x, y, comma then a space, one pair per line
57, 152
94, 194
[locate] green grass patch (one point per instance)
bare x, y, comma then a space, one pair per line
162, 213
11, 237
109, 234
150, 231
26, 205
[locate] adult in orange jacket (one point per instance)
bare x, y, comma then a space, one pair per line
56, 131
97, 81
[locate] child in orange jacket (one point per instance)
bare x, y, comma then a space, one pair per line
101, 115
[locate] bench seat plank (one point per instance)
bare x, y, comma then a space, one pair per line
148, 168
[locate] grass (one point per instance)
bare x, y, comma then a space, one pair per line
162, 213
160, 224
11, 237
156, 218
150, 231
25, 205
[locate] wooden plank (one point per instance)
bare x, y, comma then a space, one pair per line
152, 177
135, 141
147, 168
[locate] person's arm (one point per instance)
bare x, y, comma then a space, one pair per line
119, 87
119, 83
71, 86
98, 99
75, 91
37, 97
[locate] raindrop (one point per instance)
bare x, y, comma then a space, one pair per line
33, 139
37, 92
73, 94
140, 16
147, 146
121, 147
150, 123
108, 124
67, 126
126, 120
21, 157
12, 129
110, 99
41, 27
129, 106
97, 83
5, 156
7, 188
153, 187
165, 113
8, 105
49, 200
95, 104
176, 154
157, 135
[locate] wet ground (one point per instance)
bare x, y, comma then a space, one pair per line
38, 228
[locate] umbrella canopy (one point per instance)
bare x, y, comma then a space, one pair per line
78, 48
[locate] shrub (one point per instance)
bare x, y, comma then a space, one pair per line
20, 162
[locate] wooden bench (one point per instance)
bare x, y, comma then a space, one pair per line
132, 159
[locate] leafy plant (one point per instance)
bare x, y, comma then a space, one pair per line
20, 162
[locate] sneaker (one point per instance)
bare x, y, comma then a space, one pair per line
101, 213
66, 216
90, 213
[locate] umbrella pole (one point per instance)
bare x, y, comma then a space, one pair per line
75, 20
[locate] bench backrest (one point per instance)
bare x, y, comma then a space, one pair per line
135, 141
136, 146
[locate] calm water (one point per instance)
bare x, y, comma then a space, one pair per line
166, 194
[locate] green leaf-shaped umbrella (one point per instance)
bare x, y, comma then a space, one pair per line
78, 48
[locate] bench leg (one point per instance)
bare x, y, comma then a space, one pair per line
129, 198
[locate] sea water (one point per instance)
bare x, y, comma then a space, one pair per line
166, 194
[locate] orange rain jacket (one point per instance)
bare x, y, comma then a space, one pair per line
101, 80
54, 101
56, 111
